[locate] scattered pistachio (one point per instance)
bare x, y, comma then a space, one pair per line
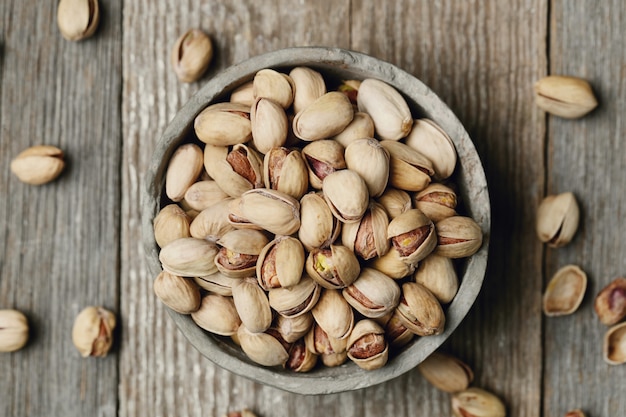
610, 303
191, 55
557, 219
38, 164
565, 291
564, 96
575, 413
78, 19
13, 330
446, 372
615, 345
243, 413
476, 402
92, 333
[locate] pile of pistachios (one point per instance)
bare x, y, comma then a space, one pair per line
312, 224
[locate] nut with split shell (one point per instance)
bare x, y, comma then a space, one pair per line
236, 217
191, 55
38, 165
346, 194
396, 333
239, 252
252, 305
324, 118
361, 126
388, 109
413, 235
332, 351
92, 333
78, 19
322, 158
458, 237
610, 303
333, 314
565, 96
335, 267
217, 314
565, 291
272, 210
269, 124
224, 124
212, 222
183, 170
13, 330
318, 227
295, 300
430, 140
420, 311
169, 224
180, 294
274, 85
189, 257
301, 359
244, 94
236, 170
217, 283
309, 86
203, 194
373, 293
265, 348
367, 346
409, 170
370, 160
393, 265
293, 328
395, 202
280, 263
437, 273
476, 402
557, 219
285, 170
368, 237
436, 201
446, 372
614, 348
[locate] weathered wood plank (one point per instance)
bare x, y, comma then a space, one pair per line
59, 248
587, 157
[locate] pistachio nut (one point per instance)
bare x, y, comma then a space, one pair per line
430, 140
169, 224
318, 227
610, 303
409, 170
334, 268
575, 413
224, 124
265, 348
280, 263
446, 372
370, 160
189, 257
395, 202
13, 330
180, 294
367, 346
565, 291
373, 293
38, 165
393, 265
565, 96
332, 350
212, 222
183, 170
557, 219
300, 359
92, 333
203, 194
285, 170
436, 201
239, 251
324, 118
191, 55
237, 219
437, 273
420, 311
244, 94
476, 402
361, 126
323, 157
333, 314
388, 109
458, 237
396, 333
295, 300
368, 237
293, 328
309, 86
78, 19
236, 170
271, 210
351, 89
274, 85
217, 283
269, 124
615, 345
252, 305
346, 194
217, 314
413, 235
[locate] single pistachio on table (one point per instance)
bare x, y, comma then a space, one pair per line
309, 86
575, 413
335, 267
610, 303
169, 224
239, 252
269, 124
446, 372
392, 264
293, 328
436, 201
301, 359
296, 300
437, 273
332, 351
565, 291
38, 165
420, 311
280, 263
388, 109
368, 237
413, 235
322, 158
395, 202
183, 170
252, 305
458, 237
476, 402
224, 124
191, 55
217, 314
272, 210
13, 330
431, 141
324, 118
370, 160
180, 294
189, 257
367, 346
614, 348
274, 85
78, 19
346, 194
92, 333
409, 170
361, 126
396, 332
217, 283
236, 170
244, 94
373, 293
565, 96
203, 194
212, 222
333, 314
265, 348
318, 228
557, 219
285, 170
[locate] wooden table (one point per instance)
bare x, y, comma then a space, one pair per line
106, 100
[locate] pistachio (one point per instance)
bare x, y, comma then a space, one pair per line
296, 300
437, 273
615, 345
224, 124
333, 268
388, 109
236, 170
212, 222
351, 89
367, 346
243, 413
431, 141
217, 314
325, 117
575, 413
395, 202
203, 194
285, 170
318, 228
322, 158
300, 359
370, 160
183, 169
169, 224
436, 201
373, 293
557, 219
333, 314
189, 257
38, 164
309, 86
458, 237
361, 126
252, 305
244, 94
368, 237
565, 291
420, 311
180, 294
280, 263
78, 19
293, 328
13, 330
413, 235
191, 55
476, 402
565, 96
271, 210
237, 219
409, 170
397, 333
393, 265
269, 124
446, 372
274, 85
346, 194
610, 303
92, 333
239, 252
332, 351
265, 348
217, 283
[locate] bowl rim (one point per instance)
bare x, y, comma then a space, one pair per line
470, 178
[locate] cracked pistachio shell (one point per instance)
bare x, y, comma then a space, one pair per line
373, 293
236, 217
235, 170
395, 202
189, 257
396, 333
318, 228
436, 201
361, 126
370, 160
169, 224
252, 305
557, 219
274, 85
269, 124
476, 402
239, 252
367, 346
388, 109
610, 303
333, 314
429, 139
78, 19
300, 359
392, 265
180, 294
203, 194
224, 124
191, 55
458, 237
217, 283
324, 118
212, 222
295, 300
446, 372
271, 210
92, 333
309, 86
346, 194
413, 235
263, 348
38, 165
409, 170
320, 343
285, 170
565, 291
565, 96
244, 94
614, 348
437, 273
368, 237
334, 268
13, 330
420, 311
280, 263
293, 328
183, 170
322, 157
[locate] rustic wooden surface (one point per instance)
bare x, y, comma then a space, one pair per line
106, 100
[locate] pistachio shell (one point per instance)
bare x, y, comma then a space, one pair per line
333, 268
615, 345
224, 124
217, 283
370, 160
431, 141
263, 348
169, 224
293, 328
318, 228
420, 311
436, 201
564, 96
396, 333
361, 126
309, 86
477, 402
565, 291
388, 109
333, 314
557, 219
437, 273
244, 94
239, 253
413, 235
189, 257
392, 264
408, 169
325, 117
373, 293
252, 305
183, 169
367, 346
212, 222
322, 157
395, 202
78, 19
320, 343
575, 413
368, 237
285, 170
446, 372
191, 55
274, 85
14, 330
295, 300
458, 237
610, 303
217, 314
203, 194
300, 359
269, 124
180, 294
38, 164
280, 263
235, 170
271, 210
346, 194
236, 217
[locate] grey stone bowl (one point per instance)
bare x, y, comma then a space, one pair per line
469, 176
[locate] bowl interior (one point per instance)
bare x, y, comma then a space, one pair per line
335, 64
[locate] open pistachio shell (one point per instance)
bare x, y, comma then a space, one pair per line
189, 257
325, 117
370, 160
392, 264
446, 372
224, 124
437, 273
333, 314
183, 169
217, 283
280, 263
373, 293
610, 303
271, 210
217, 314
293, 328
274, 85
420, 311
239, 252
309, 86
361, 126
477, 402
264, 348
212, 223
203, 194
615, 345
389, 110
295, 300
323, 157
235, 170
565, 291
367, 346
409, 170
397, 333
413, 235
320, 343
436, 201
285, 170
368, 237
269, 124
557, 219
458, 237
346, 194
431, 141
318, 227
252, 305
395, 202
334, 268
300, 359
236, 217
